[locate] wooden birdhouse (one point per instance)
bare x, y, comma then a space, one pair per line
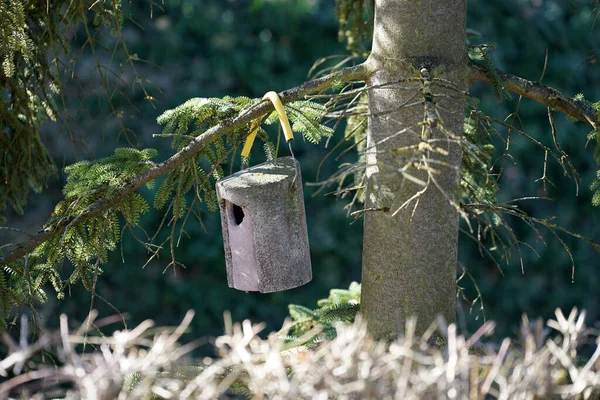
264, 227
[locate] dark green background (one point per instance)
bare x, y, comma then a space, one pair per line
216, 48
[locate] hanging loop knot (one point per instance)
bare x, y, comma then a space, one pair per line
283, 119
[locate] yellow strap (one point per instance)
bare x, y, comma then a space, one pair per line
250, 140
285, 124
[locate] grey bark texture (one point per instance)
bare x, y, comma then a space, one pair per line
410, 258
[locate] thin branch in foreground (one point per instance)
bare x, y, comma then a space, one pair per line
543, 94
563, 155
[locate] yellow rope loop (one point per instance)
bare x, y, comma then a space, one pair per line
283, 119
250, 139
285, 124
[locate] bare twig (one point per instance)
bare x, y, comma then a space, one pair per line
543, 94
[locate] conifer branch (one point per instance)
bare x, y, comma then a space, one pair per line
552, 98
358, 72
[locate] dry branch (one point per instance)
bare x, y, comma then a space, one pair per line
543, 94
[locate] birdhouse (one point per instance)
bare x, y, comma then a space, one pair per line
264, 227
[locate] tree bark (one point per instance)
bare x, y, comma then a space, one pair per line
410, 258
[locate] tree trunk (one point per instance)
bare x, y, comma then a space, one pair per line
410, 258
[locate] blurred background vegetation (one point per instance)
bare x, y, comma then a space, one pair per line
205, 48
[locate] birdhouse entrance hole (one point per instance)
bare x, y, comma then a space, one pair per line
238, 214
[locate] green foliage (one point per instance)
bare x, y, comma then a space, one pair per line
184, 123
87, 240
478, 184
32, 38
305, 117
479, 52
356, 128
356, 24
15, 40
88, 181
6, 296
596, 187
309, 327
344, 312
593, 135
194, 117
337, 296
198, 114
